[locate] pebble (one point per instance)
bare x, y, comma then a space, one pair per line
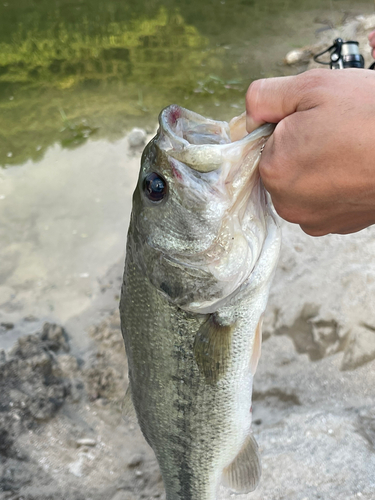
86, 442
137, 137
75, 468
7, 326
296, 56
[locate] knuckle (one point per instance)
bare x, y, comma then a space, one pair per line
278, 159
295, 214
313, 78
312, 87
285, 212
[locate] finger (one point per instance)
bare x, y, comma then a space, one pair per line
315, 231
337, 225
251, 124
272, 99
278, 156
371, 36
372, 42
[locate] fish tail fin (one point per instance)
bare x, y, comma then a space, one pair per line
243, 474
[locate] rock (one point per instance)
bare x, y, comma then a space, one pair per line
6, 326
360, 348
297, 56
86, 442
137, 137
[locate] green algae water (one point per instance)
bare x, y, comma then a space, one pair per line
70, 70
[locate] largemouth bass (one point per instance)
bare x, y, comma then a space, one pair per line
202, 247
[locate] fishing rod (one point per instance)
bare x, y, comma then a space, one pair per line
343, 55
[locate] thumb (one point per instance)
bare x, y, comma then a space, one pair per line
272, 99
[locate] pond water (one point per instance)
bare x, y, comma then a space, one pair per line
75, 76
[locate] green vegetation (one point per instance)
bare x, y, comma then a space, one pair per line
132, 70
72, 69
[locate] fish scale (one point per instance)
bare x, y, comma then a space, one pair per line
191, 364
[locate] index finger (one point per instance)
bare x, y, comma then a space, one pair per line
272, 99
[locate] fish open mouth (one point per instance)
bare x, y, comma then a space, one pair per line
204, 144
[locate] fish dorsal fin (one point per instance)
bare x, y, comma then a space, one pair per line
243, 474
257, 347
128, 410
212, 348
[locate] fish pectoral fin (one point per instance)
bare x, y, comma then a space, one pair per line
243, 474
128, 410
212, 347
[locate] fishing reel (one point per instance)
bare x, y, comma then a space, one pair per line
343, 55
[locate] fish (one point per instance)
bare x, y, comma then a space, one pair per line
202, 248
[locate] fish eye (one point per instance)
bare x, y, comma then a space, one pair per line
155, 187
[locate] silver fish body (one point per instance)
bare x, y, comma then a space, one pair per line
202, 248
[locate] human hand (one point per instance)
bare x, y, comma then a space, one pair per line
371, 39
319, 164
